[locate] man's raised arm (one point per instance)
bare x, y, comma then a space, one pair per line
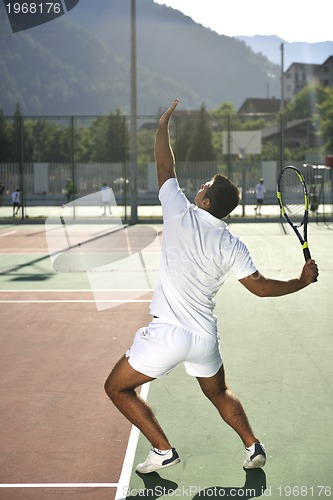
164, 158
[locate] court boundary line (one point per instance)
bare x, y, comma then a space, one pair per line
76, 290
59, 485
74, 301
2, 235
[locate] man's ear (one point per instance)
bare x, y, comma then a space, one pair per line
206, 203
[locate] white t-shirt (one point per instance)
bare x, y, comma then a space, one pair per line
198, 254
106, 194
260, 191
15, 197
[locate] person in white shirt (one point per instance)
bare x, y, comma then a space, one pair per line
106, 198
260, 195
198, 254
16, 202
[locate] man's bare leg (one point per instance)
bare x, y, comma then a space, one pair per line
120, 387
228, 406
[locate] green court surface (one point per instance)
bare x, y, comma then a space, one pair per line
278, 359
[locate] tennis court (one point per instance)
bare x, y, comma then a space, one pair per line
62, 438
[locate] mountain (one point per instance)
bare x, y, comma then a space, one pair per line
300, 52
80, 63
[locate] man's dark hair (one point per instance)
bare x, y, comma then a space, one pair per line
224, 196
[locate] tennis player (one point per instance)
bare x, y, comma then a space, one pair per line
198, 253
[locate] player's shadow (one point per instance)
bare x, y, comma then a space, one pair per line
155, 487
255, 486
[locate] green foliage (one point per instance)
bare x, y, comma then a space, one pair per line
306, 102
315, 102
184, 133
225, 116
84, 144
109, 137
5, 154
201, 147
145, 146
16, 143
194, 138
52, 140
326, 118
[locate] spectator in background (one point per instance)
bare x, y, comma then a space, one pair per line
260, 195
314, 199
16, 202
106, 198
2, 192
69, 190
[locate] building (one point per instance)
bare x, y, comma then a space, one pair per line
298, 133
325, 73
258, 105
299, 75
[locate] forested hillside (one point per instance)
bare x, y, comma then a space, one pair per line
80, 63
301, 52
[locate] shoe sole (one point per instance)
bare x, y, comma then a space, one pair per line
153, 468
258, 462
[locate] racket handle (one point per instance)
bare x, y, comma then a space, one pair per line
307, 256
306, 253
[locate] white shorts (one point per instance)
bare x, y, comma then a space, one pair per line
159, 347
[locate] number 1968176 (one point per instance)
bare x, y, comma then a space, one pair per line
34, 8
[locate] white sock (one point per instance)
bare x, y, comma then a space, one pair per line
161, 452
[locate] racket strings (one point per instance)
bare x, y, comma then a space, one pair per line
292, 194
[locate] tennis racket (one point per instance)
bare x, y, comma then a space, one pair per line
294, 202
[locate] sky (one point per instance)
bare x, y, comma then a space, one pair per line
291, 20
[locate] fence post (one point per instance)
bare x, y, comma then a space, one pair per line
21, 165
133, 173
73, 162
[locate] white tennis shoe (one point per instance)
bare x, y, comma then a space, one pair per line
255, 456
158, 459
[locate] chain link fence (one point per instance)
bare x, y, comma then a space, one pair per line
41, 154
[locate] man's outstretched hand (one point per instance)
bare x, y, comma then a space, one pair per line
164, 120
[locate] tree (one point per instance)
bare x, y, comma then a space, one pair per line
145, 146
306, 102
184, 131
20, 139
201, 148
16, 135
226, 111
4, 139
83, 149
110, 138
326, 118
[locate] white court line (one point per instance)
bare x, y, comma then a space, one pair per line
59, 485
79, 291
66, 301
75, 301
7, 234
126, 471
125, 475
